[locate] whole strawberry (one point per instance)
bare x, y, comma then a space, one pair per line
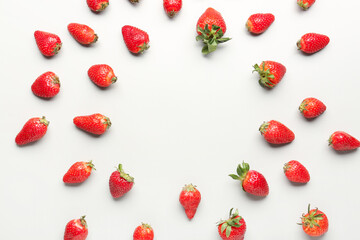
190, 199
211, 28
312, 108
47, 85
314, 223
76, 229
102, 75
120, 183
172, 7
136, 40
252, 181
33, 130
342, 141
312, 42
49, 44
82, 33
275, 132
296, 172
143, 232
305, 4
97, 5
78, 172
258, 23
234, 228
270, 73
96, 123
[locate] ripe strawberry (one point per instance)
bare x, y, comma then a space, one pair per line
33, 130
172, 7
96, 123
97, 5
136, 40
296, 172
312, 107
234, 228
211, 28
82, 33
102, 75
78, 172
342, 141
275, 132
47, 85
270, 73
76, 229
305, 4
190, 199
312, 42
49, 44
258, 23
252, 181
314, 222
120, 182
143, 232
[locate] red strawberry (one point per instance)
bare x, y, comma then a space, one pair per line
342, 141
47, 85
78, 172
120, 182
49, 44
172, 7
136, 40
97, 5
296, 172
143, 232
312, 42
275, 132
253, 182
314, 223
190, 199
270, 73
96, 123
102, 75
76, 229
33, 130
234, 228
258, 23
82, 33
211, 28
305, 4
312, 107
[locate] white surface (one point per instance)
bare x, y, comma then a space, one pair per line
178, 117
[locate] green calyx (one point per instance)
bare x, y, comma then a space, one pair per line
211, 38
265, 76
312, 218
57, 48
107, 122
172, 13
114, 79
298, 44
95, 38
44, 121
146, 226
143, 47
242, 171
233, 221
124, 175
189, 188
303, 106
103, 6
330, 139
55, 80
83, 221
90, 164
263, 127
304, 6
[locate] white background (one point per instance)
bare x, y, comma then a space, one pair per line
178, 117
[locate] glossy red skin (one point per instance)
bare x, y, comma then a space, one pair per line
119, 186
313, 42
190, 200
276, 69
296, 172
305, 4
278, 133
47, 85
82, 33
78, 173
255, 183
134, 38
211, 17
32, 131
74, 230
49, 44
143, 233
260, 22
312, 108
97, 5
237, 233
342, 141
317, 231
95, 123
102, 75
172, 7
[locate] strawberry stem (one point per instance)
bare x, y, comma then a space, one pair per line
263, 127
241, 171
211, 38
44, 121
83, 221
124, 175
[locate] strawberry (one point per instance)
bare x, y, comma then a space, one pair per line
314, 223
296, 172
312, 108
342, 141
120, 182
234, 228
76, 229
143, 232
258, 23
270, 73
96, 123
211, 28
82, 33
252, 181
312, 42
305, 4
102, 75
47, 85
275, 132
78, 172
33, 130
136, 40
97, 5
190, 199
172, 7
49, 44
